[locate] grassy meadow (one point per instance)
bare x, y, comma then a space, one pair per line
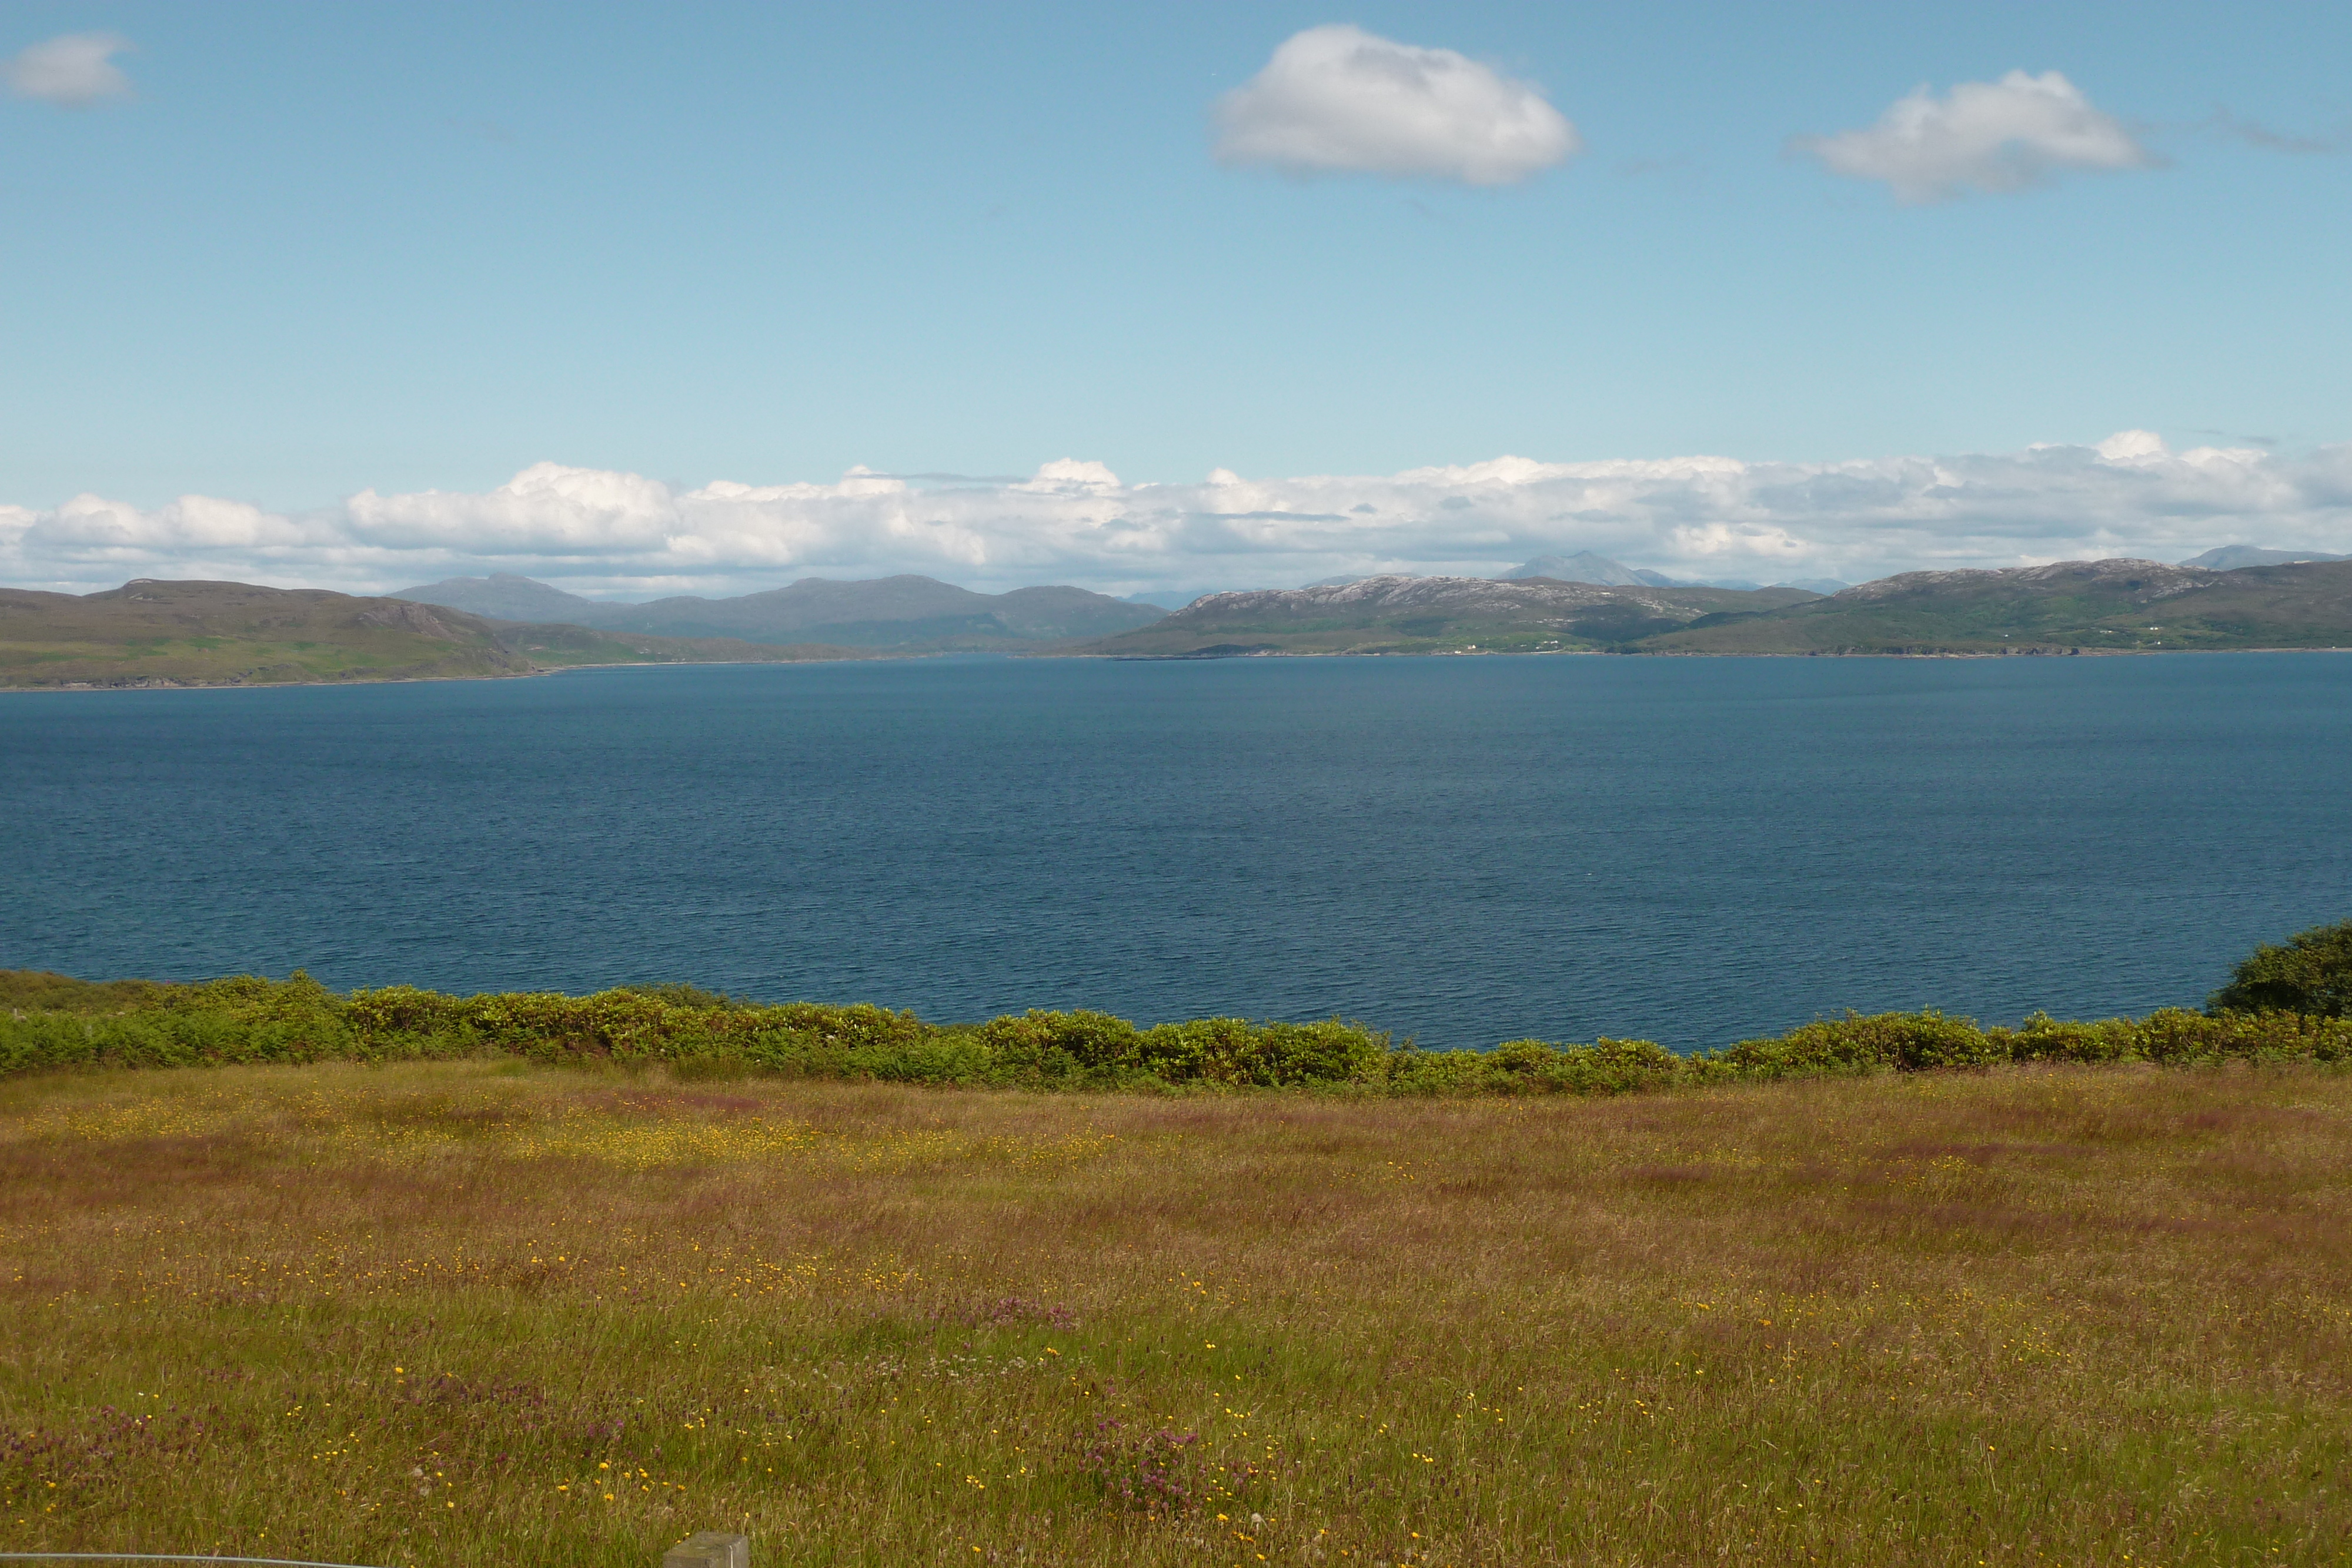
496, 1312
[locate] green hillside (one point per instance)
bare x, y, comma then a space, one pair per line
2107, 606
231, 633
149, 633
1437, 615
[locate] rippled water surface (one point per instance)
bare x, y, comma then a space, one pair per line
1462, 849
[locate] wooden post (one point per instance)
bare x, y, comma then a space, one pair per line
710, 1549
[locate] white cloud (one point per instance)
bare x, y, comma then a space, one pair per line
2126, 446
77, 70
1339, 99
1071, 476
595, 531
1985, 136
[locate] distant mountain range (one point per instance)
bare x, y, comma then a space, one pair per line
2073, 606
502, 596
212, 633
1166, 598
1586, 567
2231, 558
898, 614
1434, 614
910, 614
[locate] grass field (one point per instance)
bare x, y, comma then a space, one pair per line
478, 1312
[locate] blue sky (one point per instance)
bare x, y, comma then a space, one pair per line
318, 252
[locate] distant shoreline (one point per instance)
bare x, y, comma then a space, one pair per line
92, 688
1648, 654
84, 687
152, 635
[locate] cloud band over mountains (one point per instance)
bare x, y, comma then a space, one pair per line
597, 531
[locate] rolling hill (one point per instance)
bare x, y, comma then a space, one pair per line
2088, 606
1433, 614
148, 634
233, 634
2100, 606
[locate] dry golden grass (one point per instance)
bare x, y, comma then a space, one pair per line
490, 1313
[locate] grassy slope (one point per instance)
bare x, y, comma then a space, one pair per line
476, 1314
229, 634
212, 633
2302, 606
1264, 623
2307, 605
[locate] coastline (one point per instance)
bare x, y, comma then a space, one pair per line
84, 688
1654, 653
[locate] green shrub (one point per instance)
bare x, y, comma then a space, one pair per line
2310, 973
1328, 1053
51, 1022
1412, 1070
1058, 1048
1901, 1042
2042, 1038
39, 990
1617, 1067
1605, 1067
399, 1009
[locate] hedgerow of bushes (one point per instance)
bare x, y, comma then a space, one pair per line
52, 1022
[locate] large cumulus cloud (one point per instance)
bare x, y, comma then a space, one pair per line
599, 532
1339, 99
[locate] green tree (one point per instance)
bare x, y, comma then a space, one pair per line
2310, 973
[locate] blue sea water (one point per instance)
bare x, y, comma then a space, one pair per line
1464, 849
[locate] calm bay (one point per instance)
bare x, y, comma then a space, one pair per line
1464, 850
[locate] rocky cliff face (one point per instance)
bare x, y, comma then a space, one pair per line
397, 615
